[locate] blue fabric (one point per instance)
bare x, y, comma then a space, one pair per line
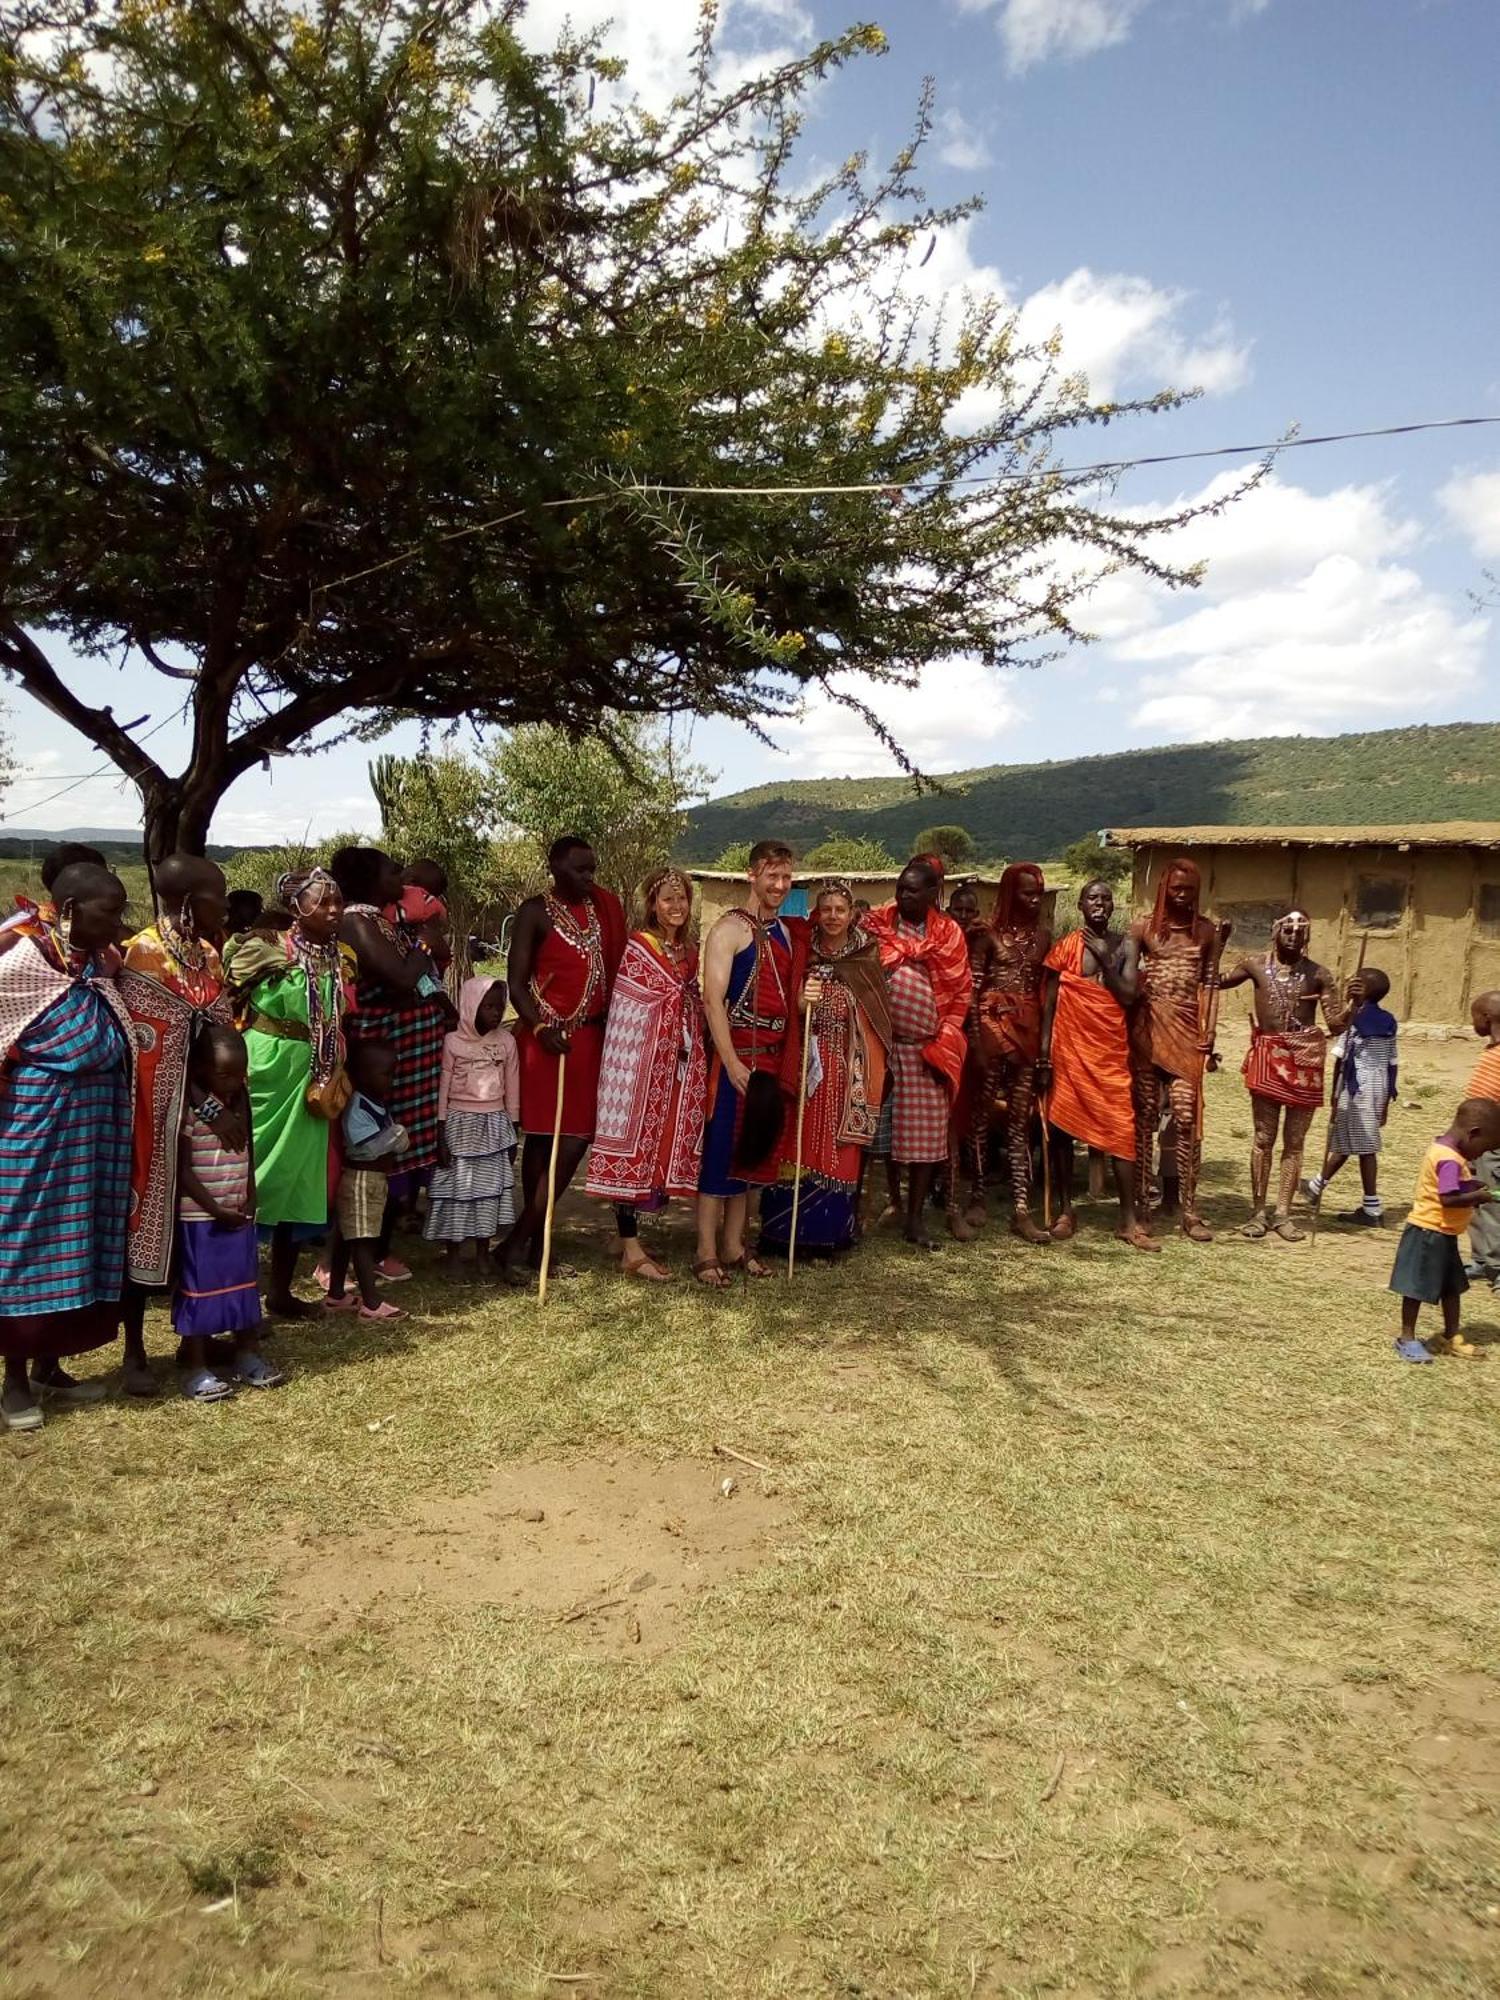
714, 1177
795, 904
825, 1217
65, 1160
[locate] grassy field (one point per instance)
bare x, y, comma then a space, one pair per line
1101, 1625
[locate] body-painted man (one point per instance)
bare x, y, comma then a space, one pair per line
1014, 1017
970, 1134
1284, 1067
1171, 1032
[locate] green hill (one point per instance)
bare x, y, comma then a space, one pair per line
1014, 810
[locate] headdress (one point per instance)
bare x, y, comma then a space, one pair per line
305, 889
834, 885
1181, 866
1010, 882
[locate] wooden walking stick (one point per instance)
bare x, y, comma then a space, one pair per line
1041, 1112
562, 1071
1333, 1097
791, 1248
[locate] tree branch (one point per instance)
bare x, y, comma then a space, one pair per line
21, 657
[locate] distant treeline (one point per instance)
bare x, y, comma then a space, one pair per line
1389, 776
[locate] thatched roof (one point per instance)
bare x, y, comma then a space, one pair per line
1436, 833
802, 876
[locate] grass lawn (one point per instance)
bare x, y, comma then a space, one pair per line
1103, 1625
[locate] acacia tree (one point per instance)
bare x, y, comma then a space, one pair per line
353, 353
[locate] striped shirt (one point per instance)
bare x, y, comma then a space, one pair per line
1485, 1082
224, 1175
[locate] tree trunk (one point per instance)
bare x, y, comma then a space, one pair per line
175, 822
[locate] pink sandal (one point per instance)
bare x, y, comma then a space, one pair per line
385, 1310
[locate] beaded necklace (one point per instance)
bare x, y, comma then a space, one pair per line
587, 940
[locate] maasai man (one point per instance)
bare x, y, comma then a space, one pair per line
1024, 943
172, 986
1484, 1223
927, 969
753, 996
65, 1105
1283, 1070
565, 950
973, 1108
1084, 1067
1179, 953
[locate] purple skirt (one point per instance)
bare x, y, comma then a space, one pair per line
218, 1279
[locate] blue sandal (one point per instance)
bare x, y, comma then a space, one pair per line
1411, 1350
201, 1385
256, 1372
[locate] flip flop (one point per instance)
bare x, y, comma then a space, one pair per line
744, 1262
702, 1267
648, 1271
1411, 1350
385, 1310
256, 1372
391, 1271
1288, 1231
1256, 1228
201, 1385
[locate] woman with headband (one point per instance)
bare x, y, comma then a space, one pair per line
293, 989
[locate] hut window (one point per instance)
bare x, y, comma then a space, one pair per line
1489, 909
1379, 902
1252, 923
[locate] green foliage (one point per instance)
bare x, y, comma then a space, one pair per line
351, 352
628, 798
846, 852
261, 868
1383, 777
954, 843
735, 859
443, 809
1089, 860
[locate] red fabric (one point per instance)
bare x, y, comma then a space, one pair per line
1090, 1097
942, 948
648, 1135
561, 976
1007, 915
1286, 1067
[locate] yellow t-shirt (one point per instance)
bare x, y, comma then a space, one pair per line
1427, 1209
1485, 1082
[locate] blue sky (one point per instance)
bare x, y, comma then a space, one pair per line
1291, 205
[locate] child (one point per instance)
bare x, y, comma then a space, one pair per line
472, 1196
373, 1144
1428, 1268
1364, 1086
217, 1287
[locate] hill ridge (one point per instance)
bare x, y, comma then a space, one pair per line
1415, 775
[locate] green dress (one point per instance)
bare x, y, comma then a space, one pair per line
291, 1145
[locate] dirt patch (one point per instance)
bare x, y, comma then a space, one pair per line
609, 1551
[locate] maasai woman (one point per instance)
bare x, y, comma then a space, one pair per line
851, 1025
294, 988
983, 1071
926, 963
65, 1097
172, 986
653, 1081
401, 1000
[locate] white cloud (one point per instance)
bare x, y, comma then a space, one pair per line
1034, 31
1471, 500
655, 38
960, 144
958, 716
1121, 330
1307, 621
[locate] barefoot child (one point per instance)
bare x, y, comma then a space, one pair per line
217, 1289
373, 1145
1428, 1268
1364, 1086
472, 1197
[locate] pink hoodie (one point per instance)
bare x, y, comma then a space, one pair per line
480, 1072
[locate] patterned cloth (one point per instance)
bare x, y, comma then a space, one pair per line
653, 1085
571, 980
764, 975
416, 1026
1363, 1073
171, 986
939, 946
1286, 1066
476, 1196
291, 1145
919, 1102
64, 1168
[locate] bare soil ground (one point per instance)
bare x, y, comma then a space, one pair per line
1099, 1625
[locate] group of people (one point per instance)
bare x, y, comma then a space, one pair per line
235, 1076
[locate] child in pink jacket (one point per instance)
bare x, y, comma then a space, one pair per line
472, 1196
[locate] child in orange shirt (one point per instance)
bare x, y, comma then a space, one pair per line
1429, 1269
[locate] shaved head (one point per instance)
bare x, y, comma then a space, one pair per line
87, 882
1488, 1004
179, 876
